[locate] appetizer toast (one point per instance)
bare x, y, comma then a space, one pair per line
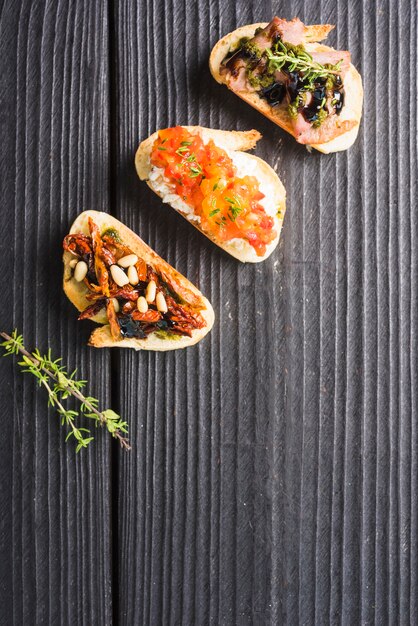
116, 280
235, 199
310, 90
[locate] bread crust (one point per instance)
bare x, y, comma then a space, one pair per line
236, 143
351, 112
76, 292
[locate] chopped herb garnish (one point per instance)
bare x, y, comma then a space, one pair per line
214, 212
181, 151
186, 143
235, 208
296, 58
161, 148
215, 186
195, 171
111, 232
322, 115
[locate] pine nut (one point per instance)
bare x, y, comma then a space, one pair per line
119, 276
133, 275
128, 260
142, 304
161, 303
73, 263
80, 271
116, 305
150, 292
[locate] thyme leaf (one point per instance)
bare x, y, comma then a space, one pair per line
296, 58
235, 208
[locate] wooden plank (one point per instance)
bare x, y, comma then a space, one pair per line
274, 471
55, 532
275, 474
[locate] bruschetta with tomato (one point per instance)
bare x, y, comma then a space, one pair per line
234, 198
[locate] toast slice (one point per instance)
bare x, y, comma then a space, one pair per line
234, 144
339, 131
100, 242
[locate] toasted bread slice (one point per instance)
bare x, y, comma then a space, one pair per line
235, 143
77, 291
347, 124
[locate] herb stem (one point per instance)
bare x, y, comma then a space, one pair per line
303, 65
294, 58
61, 408
68, 388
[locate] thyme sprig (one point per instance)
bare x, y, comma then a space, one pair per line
60, 385
296, 58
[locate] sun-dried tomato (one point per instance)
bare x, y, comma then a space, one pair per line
173, 280
116, 248
99, 258
141, 268
127, 292
93, 309
102, 252
151, 316
181, 313
128, 307
77, 244
113, 320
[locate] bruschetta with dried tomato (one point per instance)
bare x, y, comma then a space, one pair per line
139, 300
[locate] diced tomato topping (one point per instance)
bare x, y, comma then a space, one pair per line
204, 176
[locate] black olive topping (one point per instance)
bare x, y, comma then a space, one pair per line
130, 328
294, 85
133, 328
91, 273
274, 94
164, 324
310, 112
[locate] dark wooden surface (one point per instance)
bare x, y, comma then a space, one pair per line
273, 476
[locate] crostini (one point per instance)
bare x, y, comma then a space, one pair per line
309, 89
116, 280
233, 198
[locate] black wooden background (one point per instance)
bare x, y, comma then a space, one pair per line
273, 475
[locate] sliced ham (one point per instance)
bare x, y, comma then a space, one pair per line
330, 128
238, 81
301, 126
291, 31
332, 57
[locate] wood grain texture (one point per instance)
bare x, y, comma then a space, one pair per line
56, 512
276, 474
273, 478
